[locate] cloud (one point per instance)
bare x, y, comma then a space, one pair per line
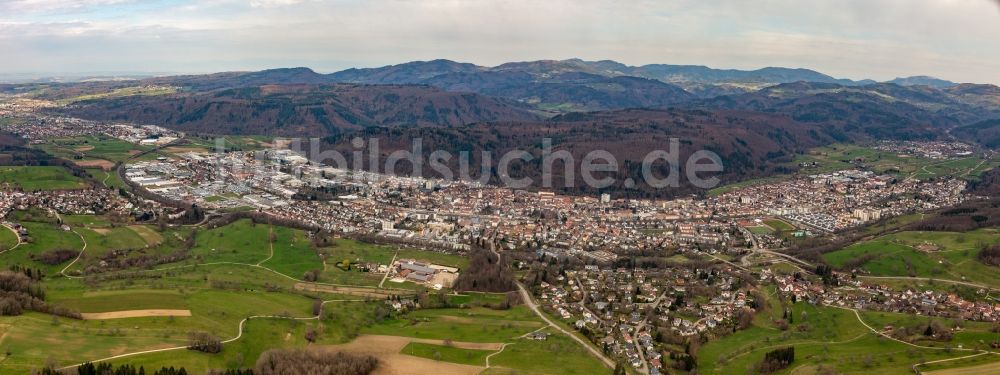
272, 3
953, 39
41, 6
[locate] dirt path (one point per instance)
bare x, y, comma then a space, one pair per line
880, 333
270, 243
134, 314
391, 262
63, 271
989, 368
502, 347
239, 334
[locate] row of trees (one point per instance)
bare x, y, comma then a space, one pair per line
314, 362
55, 256
105, 368
204, 342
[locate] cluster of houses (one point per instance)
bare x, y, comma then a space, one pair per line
832, 201
624, 310
861, 295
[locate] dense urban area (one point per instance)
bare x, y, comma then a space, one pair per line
691, 285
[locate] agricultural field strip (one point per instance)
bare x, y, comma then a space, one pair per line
239, 334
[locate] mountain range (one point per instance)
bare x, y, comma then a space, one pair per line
758, 120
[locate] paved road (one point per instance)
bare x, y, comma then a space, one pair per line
642, 325
530, 302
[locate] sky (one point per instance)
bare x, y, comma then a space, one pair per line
957, 40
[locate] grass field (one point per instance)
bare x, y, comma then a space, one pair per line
447, 353
834, 340
40, 178
43, 237
35, 338
944, 255
556, 355
92, 147
244, 143
473, 298
8, 238
972, 335
357, 251
218, 297
241, 242
123, 92
778, 225
105, 301
108, 178
984, 364
837, 157
293, 254
264, 334
470, 325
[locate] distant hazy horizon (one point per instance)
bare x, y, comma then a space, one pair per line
78, 76
956, 40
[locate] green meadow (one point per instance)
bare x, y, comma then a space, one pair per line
8, 238
824, 338
92, 147
941, 255
447, 353
557, 354
37, 178
470, 325
353, 251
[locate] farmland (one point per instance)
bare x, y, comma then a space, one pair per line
835, 339
8, 239
40, 178
942, 255
838, 157
234, 271
92, 147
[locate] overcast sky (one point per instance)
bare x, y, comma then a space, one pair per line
879, 39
